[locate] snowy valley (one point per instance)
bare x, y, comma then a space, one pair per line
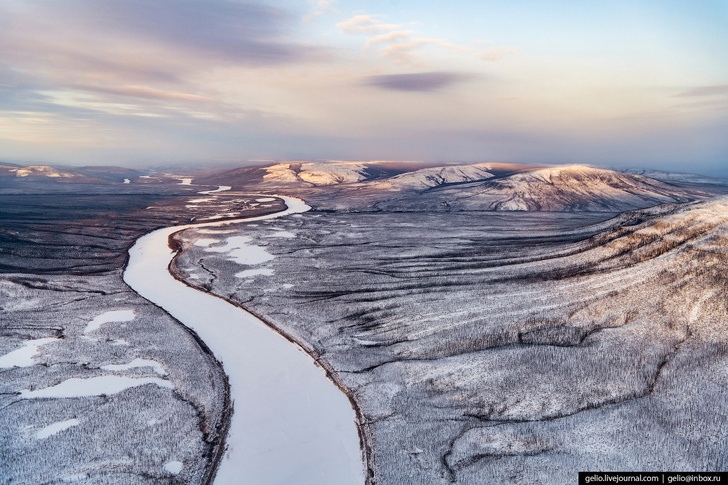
489, 323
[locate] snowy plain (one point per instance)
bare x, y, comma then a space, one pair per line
290, 423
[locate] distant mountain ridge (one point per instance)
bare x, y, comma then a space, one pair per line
566, 188
415, 186
85, 175
480, 186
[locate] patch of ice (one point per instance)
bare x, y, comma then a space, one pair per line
238, 249
109, 317
55, 428
185, 181
287, 286
144, 177
201, 199
158, 368
127, 181
93, 386
254, 272
205, 242
23, 357
285, 234
173, 467
265, 199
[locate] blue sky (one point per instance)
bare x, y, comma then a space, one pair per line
619, 83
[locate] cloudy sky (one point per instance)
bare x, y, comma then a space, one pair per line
612, 83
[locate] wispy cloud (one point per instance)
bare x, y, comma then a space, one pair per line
390, 37
405, 46
364, 24
236, 32
137, 58
419, 82
319, 8
143, 92
717, 90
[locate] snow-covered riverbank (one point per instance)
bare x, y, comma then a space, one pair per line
290, 423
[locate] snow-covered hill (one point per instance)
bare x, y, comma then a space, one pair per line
565, 188
317, 173
484, 186
678, 177
307, 174
44, 173
436, 176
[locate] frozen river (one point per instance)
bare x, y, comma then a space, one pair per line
290, 423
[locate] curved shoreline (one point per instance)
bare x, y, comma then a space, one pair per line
233, 358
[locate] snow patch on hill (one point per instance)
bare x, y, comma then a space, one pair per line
432, 177
317, 173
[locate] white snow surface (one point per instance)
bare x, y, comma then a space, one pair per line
291, 424
284, 234
317, 173
136, 363
173, 467
56, 428
432, 177
185, 181
238, 249
109, 317
127, 181
92, 386
23, 357
254, 272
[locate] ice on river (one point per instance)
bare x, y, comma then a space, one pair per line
221, 188
290, 423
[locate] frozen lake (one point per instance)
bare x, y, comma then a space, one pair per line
290, 423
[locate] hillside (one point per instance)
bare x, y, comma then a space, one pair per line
484, 346
306, 174
437, 176
570, 188
390, 186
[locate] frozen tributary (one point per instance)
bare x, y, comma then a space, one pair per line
290, 423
